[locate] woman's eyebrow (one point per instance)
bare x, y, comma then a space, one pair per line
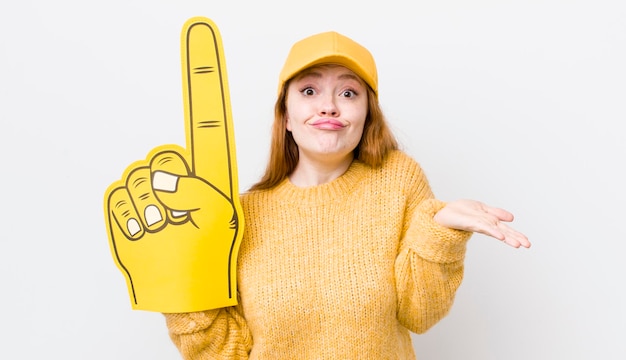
310, 73
349, 76
318, 75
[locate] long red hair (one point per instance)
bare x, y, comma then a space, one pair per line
376, 142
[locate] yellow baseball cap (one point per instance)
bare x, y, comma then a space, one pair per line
330, 47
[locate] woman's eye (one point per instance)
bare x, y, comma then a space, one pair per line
308, 91
348, 93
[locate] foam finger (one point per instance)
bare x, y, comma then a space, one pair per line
150, 210
207, 104
123, 214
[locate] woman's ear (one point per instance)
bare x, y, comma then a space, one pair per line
287, 123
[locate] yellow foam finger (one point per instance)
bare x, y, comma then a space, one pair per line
151, 211
208, 116
123, 213
168, 160
175, 221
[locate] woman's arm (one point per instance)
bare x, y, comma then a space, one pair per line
429, 268
212, 334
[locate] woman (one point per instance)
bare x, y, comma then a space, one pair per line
346, 251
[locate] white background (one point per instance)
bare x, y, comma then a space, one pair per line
518, 103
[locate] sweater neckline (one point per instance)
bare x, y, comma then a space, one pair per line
322, 194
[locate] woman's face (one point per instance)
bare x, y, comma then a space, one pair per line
326, 111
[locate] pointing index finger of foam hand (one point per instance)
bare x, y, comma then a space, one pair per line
208, 119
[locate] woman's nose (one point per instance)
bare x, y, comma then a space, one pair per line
328, 107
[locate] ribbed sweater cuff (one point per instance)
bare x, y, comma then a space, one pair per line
434, 242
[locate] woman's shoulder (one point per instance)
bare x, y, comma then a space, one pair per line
398, 159
249, 196
402, 169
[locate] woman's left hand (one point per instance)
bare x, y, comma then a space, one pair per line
474, 216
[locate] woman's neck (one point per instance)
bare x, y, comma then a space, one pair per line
311, 172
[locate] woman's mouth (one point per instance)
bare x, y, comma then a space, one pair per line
328, 124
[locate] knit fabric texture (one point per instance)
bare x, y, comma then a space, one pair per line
344, 270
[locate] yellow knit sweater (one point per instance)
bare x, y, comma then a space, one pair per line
342, 270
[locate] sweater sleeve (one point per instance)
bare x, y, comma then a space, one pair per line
212, 334
429, 268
